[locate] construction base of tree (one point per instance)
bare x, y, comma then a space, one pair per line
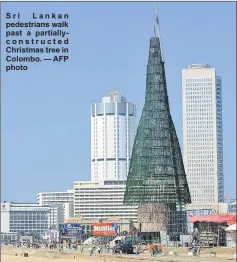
152, 217
161, 217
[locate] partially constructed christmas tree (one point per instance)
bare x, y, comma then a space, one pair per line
156, 179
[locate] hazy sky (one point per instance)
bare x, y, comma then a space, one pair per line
46, 110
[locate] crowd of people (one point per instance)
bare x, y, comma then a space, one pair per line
27, 244
100, 249
66, 244
62, 245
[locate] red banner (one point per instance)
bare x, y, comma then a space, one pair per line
104, 229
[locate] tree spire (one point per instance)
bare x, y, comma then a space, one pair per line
157, 32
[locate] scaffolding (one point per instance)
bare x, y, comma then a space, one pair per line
156, 179
156, 172
211, 233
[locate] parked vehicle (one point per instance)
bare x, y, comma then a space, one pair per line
127, 248
117, 249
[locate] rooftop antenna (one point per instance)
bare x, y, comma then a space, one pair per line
157, 32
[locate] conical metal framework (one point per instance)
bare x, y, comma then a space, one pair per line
156, 172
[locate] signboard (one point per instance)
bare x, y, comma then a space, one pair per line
105, 229
73, 220
5, 206
71, 230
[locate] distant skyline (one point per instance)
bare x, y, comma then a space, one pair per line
46, 110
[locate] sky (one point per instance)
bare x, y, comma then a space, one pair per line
45, 111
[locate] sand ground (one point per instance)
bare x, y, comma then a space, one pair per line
10, 254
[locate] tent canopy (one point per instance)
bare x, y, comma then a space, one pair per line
213, 218
231, 228
90, 241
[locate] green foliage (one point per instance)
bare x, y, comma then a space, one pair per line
21, 233
89, 234
35, 235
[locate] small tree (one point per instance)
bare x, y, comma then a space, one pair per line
21, 233
90, 234
53, 227
35, 235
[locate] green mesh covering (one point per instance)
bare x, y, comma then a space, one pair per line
156, 172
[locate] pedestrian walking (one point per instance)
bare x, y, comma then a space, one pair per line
151, 249
81, 249
137, 250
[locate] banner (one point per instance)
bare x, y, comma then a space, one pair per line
105, 229
71, 230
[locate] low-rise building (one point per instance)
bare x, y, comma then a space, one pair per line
8, 237
24, 217
232, 206
102, 200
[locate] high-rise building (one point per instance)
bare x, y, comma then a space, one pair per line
102, 200
112, 134
202, 135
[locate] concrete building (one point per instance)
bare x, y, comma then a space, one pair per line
202, 135
46, 198
52, 198
8, 237
56, 216
113, 131
68, 209
24, 217
232, 206
102, 200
